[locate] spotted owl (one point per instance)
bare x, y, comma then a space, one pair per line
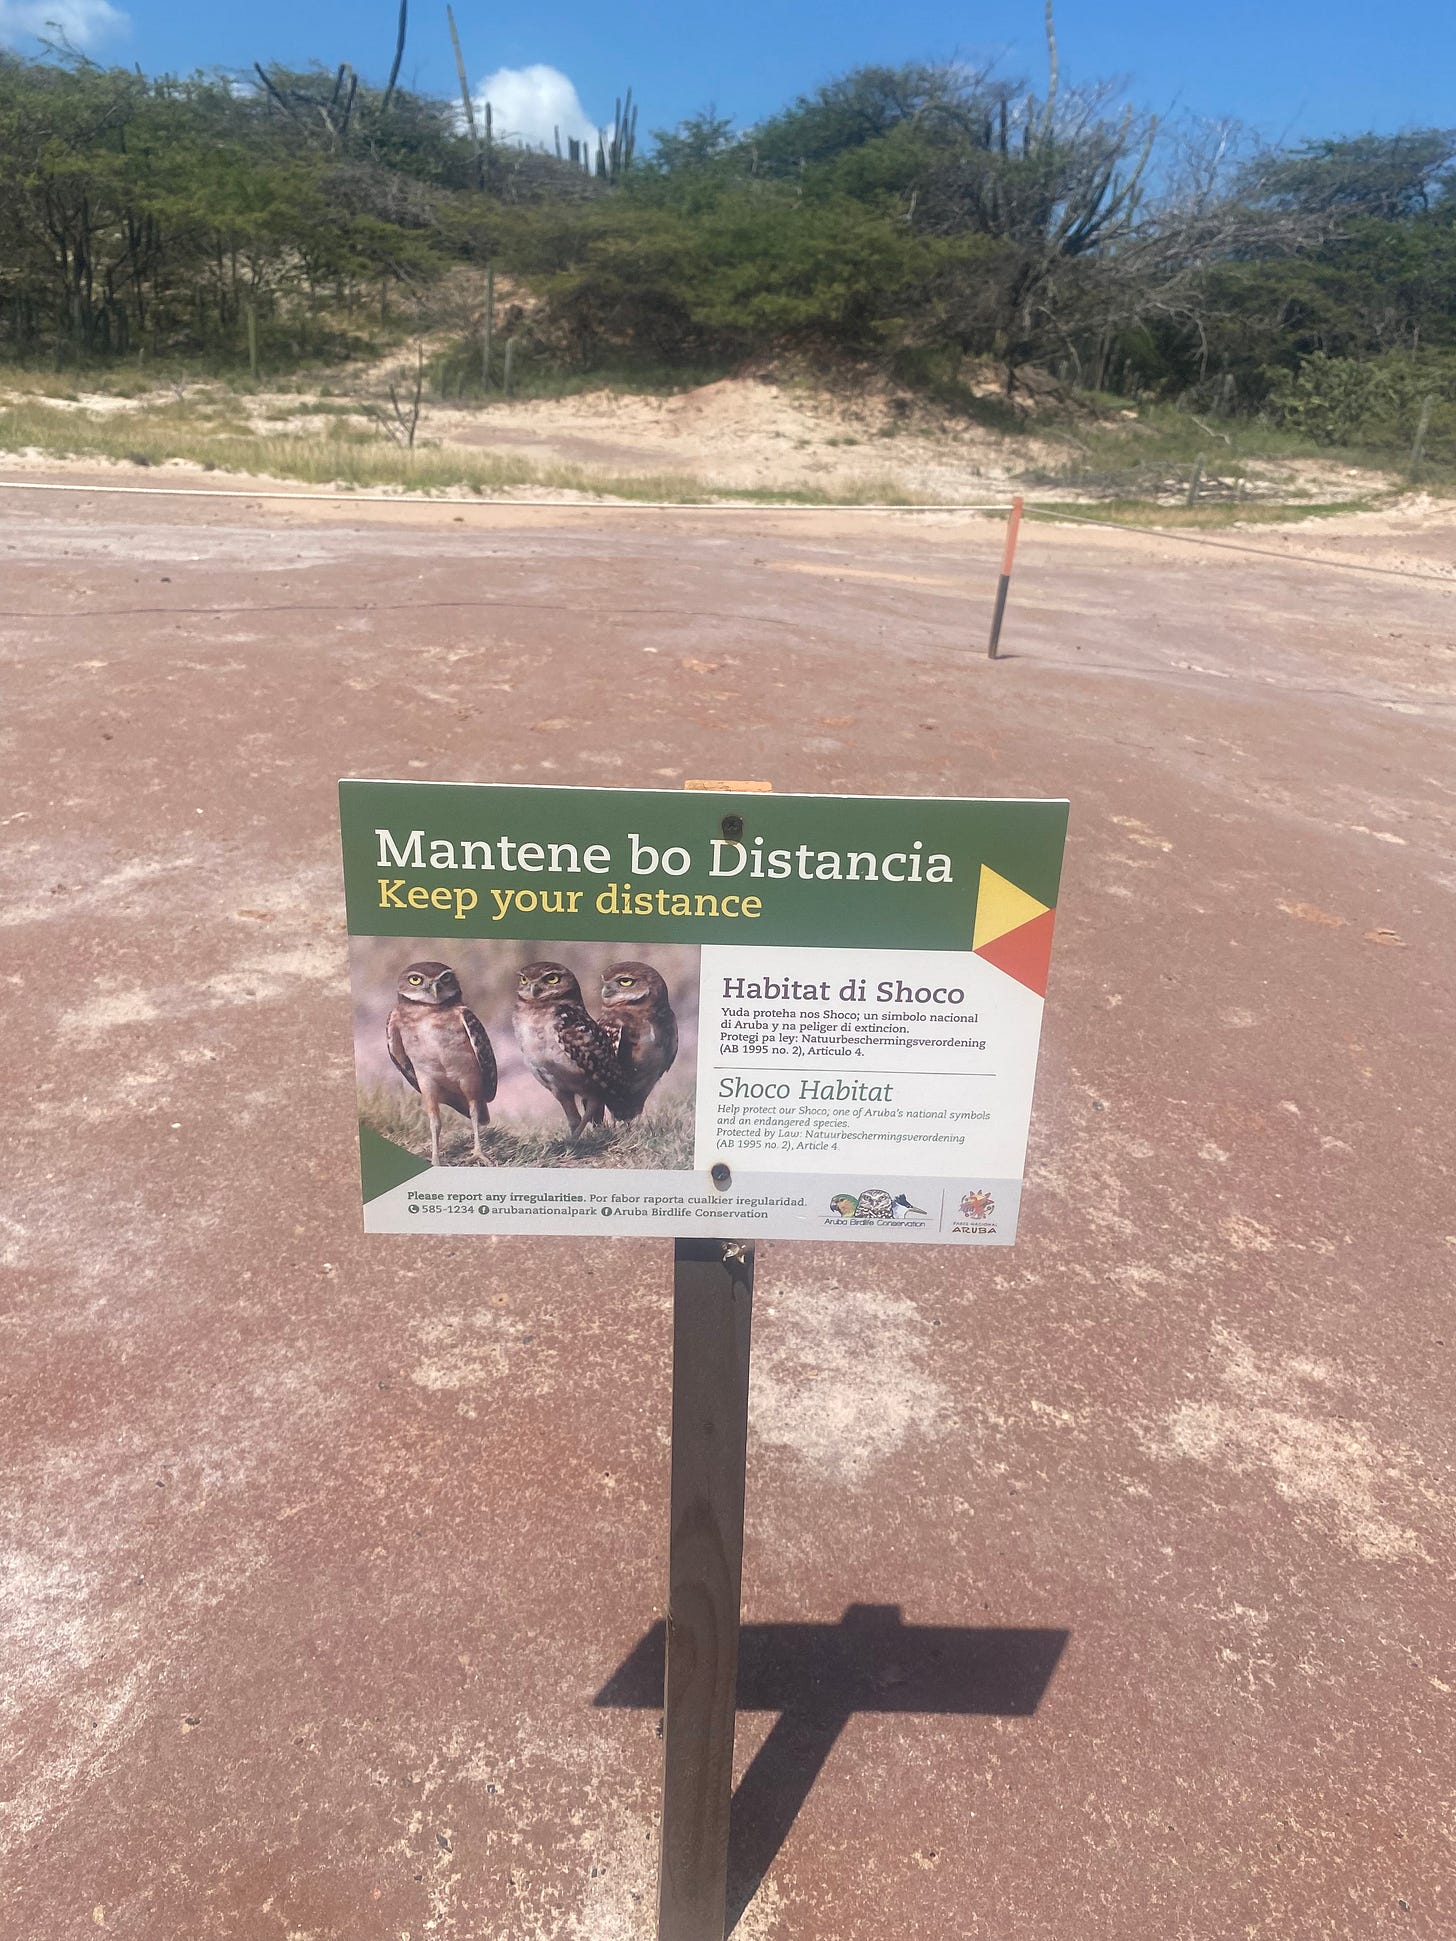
441, 1048
638, 1018
564, 1046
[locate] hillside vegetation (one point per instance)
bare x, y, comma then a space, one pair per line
1004, 252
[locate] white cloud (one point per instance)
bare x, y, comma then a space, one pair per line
528, 105
84, 23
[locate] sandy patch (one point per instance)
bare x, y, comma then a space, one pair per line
1282, 1420
840, 1378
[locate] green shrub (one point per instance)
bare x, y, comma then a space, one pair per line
1374, 402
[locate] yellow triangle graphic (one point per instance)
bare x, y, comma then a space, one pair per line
1000, 907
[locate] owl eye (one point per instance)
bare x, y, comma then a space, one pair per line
415, 978
626, 982
553, 978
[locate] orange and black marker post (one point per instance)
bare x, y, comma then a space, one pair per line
1013, 527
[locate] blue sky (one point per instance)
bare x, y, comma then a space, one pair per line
1284, 66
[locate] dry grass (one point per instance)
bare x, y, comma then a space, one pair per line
216, 433
1213, 517
1148, 456
1134, 473
661, 1141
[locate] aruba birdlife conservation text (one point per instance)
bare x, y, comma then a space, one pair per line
859, 1062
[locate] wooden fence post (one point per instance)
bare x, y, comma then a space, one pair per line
487, 327
1418, 444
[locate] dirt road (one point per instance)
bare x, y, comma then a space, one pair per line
318, 1551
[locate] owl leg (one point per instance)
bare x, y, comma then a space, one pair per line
592, 1110
567, 1101
432, 1111
476, 1112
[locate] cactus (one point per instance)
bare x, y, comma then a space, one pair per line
398, 54
614, 158
467, 102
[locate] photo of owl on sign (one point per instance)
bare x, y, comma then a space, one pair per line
528, 1054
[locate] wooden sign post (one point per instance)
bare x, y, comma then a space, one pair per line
712, 1323
712, 1316
796, 1017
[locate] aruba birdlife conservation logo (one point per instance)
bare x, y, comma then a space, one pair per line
976, 1209
874, 1203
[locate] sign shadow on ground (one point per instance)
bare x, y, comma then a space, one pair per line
816, 1677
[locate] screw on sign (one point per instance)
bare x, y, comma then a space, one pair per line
846, 1052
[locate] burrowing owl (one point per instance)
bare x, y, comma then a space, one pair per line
564, 1046
442, 1049
874, 1203
638, 1018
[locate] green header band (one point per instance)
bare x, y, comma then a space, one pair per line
656, 865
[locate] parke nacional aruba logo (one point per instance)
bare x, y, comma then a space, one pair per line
873, 1203
976, 1209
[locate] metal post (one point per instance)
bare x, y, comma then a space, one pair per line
1003, 587
712, 1315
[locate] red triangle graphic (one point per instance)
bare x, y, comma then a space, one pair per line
1024, 953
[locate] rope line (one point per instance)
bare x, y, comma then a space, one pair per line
1233, 546
489, 602
482, 505
775, 510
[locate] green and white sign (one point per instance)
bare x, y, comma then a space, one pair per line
602, 1011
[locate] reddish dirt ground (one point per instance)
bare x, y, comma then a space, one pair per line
318, 1549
